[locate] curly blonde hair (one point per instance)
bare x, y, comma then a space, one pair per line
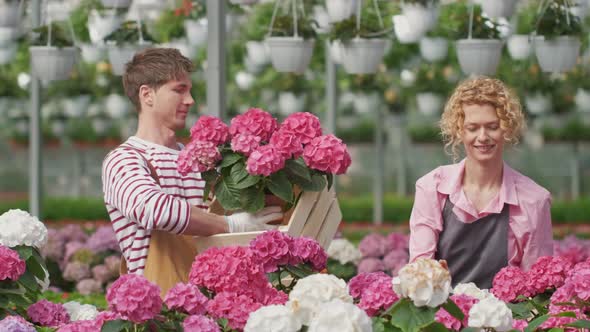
481, 91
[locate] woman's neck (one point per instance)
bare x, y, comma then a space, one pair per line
484, 176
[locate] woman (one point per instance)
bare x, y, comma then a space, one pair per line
480, 215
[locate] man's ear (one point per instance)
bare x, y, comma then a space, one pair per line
146, 95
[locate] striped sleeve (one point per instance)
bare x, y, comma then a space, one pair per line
129, 187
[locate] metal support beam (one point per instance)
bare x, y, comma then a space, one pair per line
379, 174
35, 138
331, 91
216, 59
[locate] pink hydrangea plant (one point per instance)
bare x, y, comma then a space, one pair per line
305, 126
256, 122
48, 314
287, 143
135, 297
234, 307
328, 154
265, 160
11, 265
509, 283
464, 302
210, 129
370, 264
306, 250
373, 245
360, 282
200, 323
548, 272
271, 249
378, 296
186, 298
245, 143
198, 156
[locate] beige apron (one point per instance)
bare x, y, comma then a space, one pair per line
170, 256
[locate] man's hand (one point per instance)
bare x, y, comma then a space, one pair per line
248, 222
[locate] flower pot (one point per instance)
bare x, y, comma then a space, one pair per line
558, 54
120, 55
404, 30
365, 103
479, 56
244, 80
339, 10
75, 106
100, 126
290, 103
498, 8
537, 103
362, 56
582, 99
429, 103
100, 25
93, 53
258, 53
9, 14
7, 53
196, 31
290, 54
116, 3
421, 18
519, 47
50, 63
434, 49
116, 106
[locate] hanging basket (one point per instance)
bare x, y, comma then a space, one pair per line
290, 54
10, 14
120, 55
116, 3
479, 56
51, 63
434, 49
339, 10
429, 103
362, 56
290, 103
196, 31
582, 100
519, 47
498, 8
537, 103
92, 53
558, 54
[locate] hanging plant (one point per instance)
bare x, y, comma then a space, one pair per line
53, 54
125, 42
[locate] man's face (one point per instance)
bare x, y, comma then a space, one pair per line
171, 103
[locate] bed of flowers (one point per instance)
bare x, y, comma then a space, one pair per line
280, 283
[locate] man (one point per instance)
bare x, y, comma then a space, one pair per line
154, 209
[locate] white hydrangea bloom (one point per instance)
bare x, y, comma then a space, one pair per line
426, 282
339, 316
472, 290
344, 251
312, 291
79, 311
490, 313
272, 318
18, 227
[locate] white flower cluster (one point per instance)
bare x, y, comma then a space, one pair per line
490, 313
426, 282
272, 318
18, 227
344, 251
339, 316
79, 311
472, 290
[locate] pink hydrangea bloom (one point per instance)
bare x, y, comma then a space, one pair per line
73, 233
287, 143
397, 241
200, 323
102, 274
328, 154
82, 326
89, 286
559, 322
509, 283
265, 160
235, 308
271, 249
76, 271
54, 249
16, 324
104, 316
564, 294
113, 263
210, 129
464, 302
306, 250
395, 260
186, 298
303, 125
71, 249
360, 282
548, 272
135, 297
270, 295
49, 314
378, 296
103, 239
198, 156
373, 245
520, 324
580, 283
231, 269
370, 264
578, 267
11, 265
245, 143
256, 122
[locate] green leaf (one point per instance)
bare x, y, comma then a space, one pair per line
28, 281
279, 185
238, 172
452, 309
470, 329
582, 323
382, 325
330, 178
252, 199
24, 252
210, 175
318, 183
227, 195
342, 271
435, 327
536, 323
34, 265
230, 159
555, 329
115, 325
409, 318
566, 314
297, 170
206, 192
248, 182
521, 310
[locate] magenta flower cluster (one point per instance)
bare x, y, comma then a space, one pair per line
374, 292
134, 297
464, 302
383, 253
11, 265
186, 298
48, 314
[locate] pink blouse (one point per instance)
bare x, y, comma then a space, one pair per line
530, 235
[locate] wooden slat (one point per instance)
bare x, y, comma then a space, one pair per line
302, 211
225, 239
330, 225
318, 214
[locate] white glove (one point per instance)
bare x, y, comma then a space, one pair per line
248, 222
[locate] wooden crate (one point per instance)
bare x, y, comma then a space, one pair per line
316, 215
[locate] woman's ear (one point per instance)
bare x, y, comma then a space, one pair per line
146, 95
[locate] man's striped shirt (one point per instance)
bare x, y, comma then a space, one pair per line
137, 204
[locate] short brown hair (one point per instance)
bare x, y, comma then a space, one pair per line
154, 67
481, 91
